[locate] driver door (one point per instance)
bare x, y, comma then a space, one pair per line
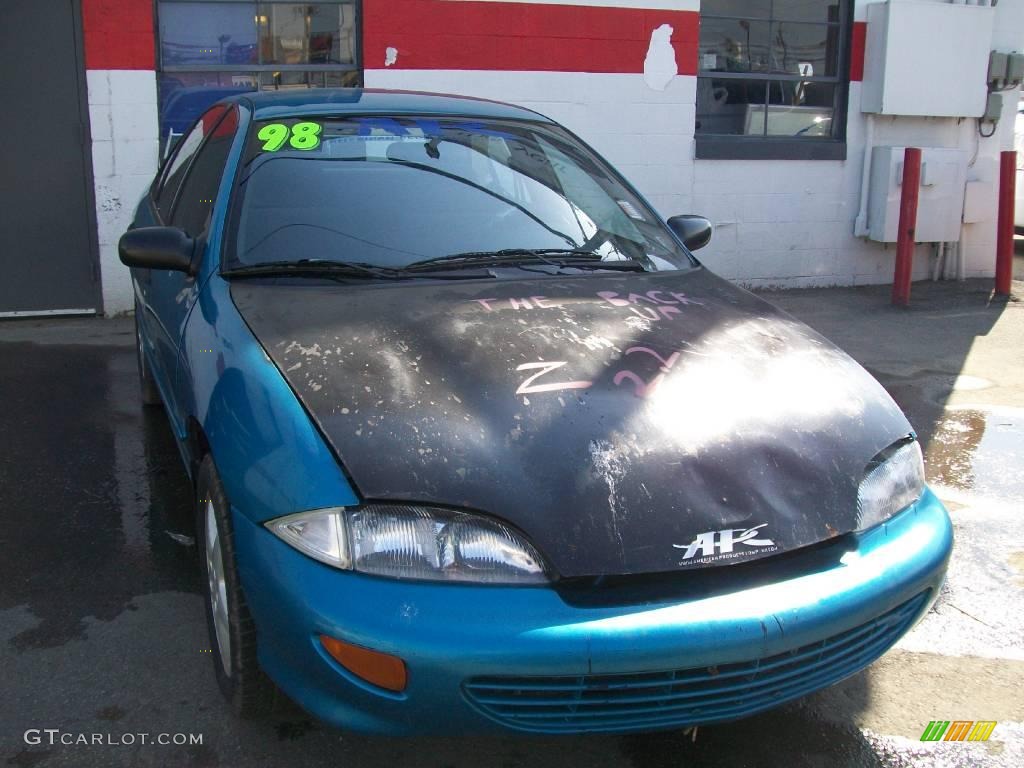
183, 198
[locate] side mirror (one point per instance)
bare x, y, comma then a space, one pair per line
694, 231
157, 248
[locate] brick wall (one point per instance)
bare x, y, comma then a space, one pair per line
119, 60
585, 64
779, 222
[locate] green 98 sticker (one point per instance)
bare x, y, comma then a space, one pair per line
299, 136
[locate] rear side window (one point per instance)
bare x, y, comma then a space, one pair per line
195, 201
179, 164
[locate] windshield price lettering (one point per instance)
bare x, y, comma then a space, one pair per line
304, 135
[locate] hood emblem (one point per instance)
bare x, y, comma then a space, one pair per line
721, 545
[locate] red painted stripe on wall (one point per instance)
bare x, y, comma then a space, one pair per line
857, 45
442, 34
118, 34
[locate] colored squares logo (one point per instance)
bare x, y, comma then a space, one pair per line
958, 730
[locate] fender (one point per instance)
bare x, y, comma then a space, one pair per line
271, 458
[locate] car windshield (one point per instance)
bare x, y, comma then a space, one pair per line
391, 192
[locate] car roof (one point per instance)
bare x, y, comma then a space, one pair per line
343, 101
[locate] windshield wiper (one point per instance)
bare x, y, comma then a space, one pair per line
313, 267
333, 269
555, 257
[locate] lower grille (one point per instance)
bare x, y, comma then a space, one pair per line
680, 697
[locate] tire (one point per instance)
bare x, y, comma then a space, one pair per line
148, 391
248, 690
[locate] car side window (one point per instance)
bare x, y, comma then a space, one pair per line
195, 201
178, 166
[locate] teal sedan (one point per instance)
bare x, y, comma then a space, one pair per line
478, 444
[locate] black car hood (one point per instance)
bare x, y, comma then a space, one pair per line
627, 423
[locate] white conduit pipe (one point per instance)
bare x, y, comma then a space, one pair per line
860, 225
940, 252
961, 251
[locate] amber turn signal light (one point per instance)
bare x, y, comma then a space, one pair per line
380, 669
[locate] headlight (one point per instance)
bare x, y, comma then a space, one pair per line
413, 542
892, 486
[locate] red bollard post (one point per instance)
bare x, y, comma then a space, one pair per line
1004, 237
908, 224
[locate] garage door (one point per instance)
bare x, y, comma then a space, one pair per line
48, 257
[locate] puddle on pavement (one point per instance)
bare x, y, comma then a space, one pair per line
90, 494
980, 450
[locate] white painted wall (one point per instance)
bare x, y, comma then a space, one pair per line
790, 223
123, 121
778, 222
671, 5
642, 131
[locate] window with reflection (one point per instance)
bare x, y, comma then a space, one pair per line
772, 70
210, 50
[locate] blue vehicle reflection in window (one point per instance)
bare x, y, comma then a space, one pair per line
182, 102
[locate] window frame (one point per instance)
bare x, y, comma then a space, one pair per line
161, 178
357, 43
712, 146
163, 172
203, 147
257, 70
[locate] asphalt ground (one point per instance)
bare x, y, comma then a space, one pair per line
101, 617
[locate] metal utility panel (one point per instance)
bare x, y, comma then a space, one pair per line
926, 58
940, 199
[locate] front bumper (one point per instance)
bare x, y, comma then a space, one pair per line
464, 642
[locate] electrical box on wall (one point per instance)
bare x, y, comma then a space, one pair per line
926, 58
993, 108
1015, 67
940, 199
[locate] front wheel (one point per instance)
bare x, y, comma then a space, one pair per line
232, 631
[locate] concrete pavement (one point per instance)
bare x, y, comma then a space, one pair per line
101, 619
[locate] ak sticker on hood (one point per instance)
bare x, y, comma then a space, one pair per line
726, 544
